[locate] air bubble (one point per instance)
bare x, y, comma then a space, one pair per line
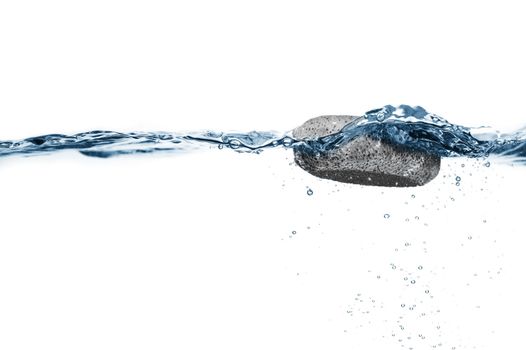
310, 192
287, 142
293, 232
234, 144
487, 164
387, 216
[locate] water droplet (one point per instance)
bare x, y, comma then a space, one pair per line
487, 164
387, 216
310, 192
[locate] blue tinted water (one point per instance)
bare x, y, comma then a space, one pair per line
412, 127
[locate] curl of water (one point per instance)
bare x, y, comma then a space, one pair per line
415, 128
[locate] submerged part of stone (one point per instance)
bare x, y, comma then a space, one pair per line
363, 160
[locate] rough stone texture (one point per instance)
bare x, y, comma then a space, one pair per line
364, 160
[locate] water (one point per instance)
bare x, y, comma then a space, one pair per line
378, 268
412, 127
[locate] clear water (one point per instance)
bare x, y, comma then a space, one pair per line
412, 127
423, 278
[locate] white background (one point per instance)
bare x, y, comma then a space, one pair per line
195, 251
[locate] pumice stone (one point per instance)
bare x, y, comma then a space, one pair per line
364, 160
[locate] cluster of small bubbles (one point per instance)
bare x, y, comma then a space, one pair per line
387, 216
309, 192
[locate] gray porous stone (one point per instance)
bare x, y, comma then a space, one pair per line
363, 160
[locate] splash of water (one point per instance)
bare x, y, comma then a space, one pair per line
412, 127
